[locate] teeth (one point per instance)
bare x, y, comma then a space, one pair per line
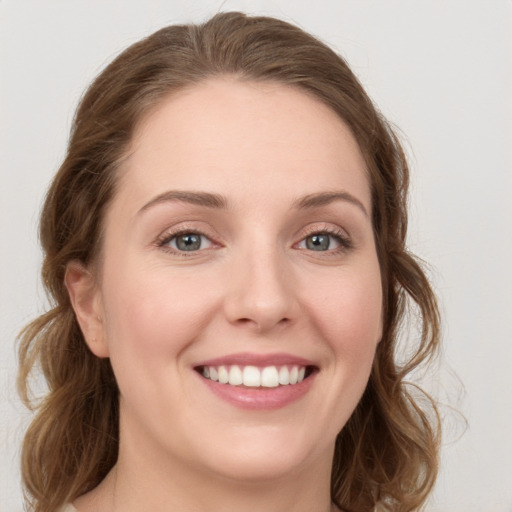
284, 376
235, 376
223, 375
254, 377
269, 377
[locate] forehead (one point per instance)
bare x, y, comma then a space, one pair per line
257, 134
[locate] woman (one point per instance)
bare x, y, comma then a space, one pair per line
225, 247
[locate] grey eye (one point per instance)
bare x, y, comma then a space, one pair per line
187, 242
318, 242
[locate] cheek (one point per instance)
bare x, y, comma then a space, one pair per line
348, 311
150, 316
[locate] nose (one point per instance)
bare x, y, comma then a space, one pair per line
261, 294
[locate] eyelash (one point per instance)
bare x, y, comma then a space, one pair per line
344, 241
168, 236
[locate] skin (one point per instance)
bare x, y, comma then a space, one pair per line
255, 286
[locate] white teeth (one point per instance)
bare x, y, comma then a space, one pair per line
235, 376
269, 377
214, 374
223, 375
254, 377
284, 376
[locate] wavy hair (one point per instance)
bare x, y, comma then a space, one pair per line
386, 457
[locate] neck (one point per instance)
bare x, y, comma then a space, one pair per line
182, 488
141, 481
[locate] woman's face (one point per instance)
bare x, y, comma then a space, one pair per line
239, 247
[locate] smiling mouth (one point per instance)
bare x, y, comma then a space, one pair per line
255, 377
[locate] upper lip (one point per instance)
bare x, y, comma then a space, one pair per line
260, 360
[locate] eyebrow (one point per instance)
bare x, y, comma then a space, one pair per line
217, 201
198, 198
324, 198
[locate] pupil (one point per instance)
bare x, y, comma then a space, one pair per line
318, 242
188, 242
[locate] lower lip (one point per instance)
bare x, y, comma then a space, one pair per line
260, 398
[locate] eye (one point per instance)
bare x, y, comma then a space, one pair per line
323, 241
187, 242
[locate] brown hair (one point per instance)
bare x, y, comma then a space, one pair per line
387, 454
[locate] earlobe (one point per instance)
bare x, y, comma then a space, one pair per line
86, 300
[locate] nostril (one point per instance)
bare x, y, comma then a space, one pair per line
248, 323
261, 325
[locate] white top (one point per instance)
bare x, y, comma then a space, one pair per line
68, 508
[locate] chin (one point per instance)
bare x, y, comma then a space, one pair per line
258, 468
267, 455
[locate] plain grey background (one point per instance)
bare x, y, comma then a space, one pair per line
440, 70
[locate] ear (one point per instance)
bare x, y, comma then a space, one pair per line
86, 300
